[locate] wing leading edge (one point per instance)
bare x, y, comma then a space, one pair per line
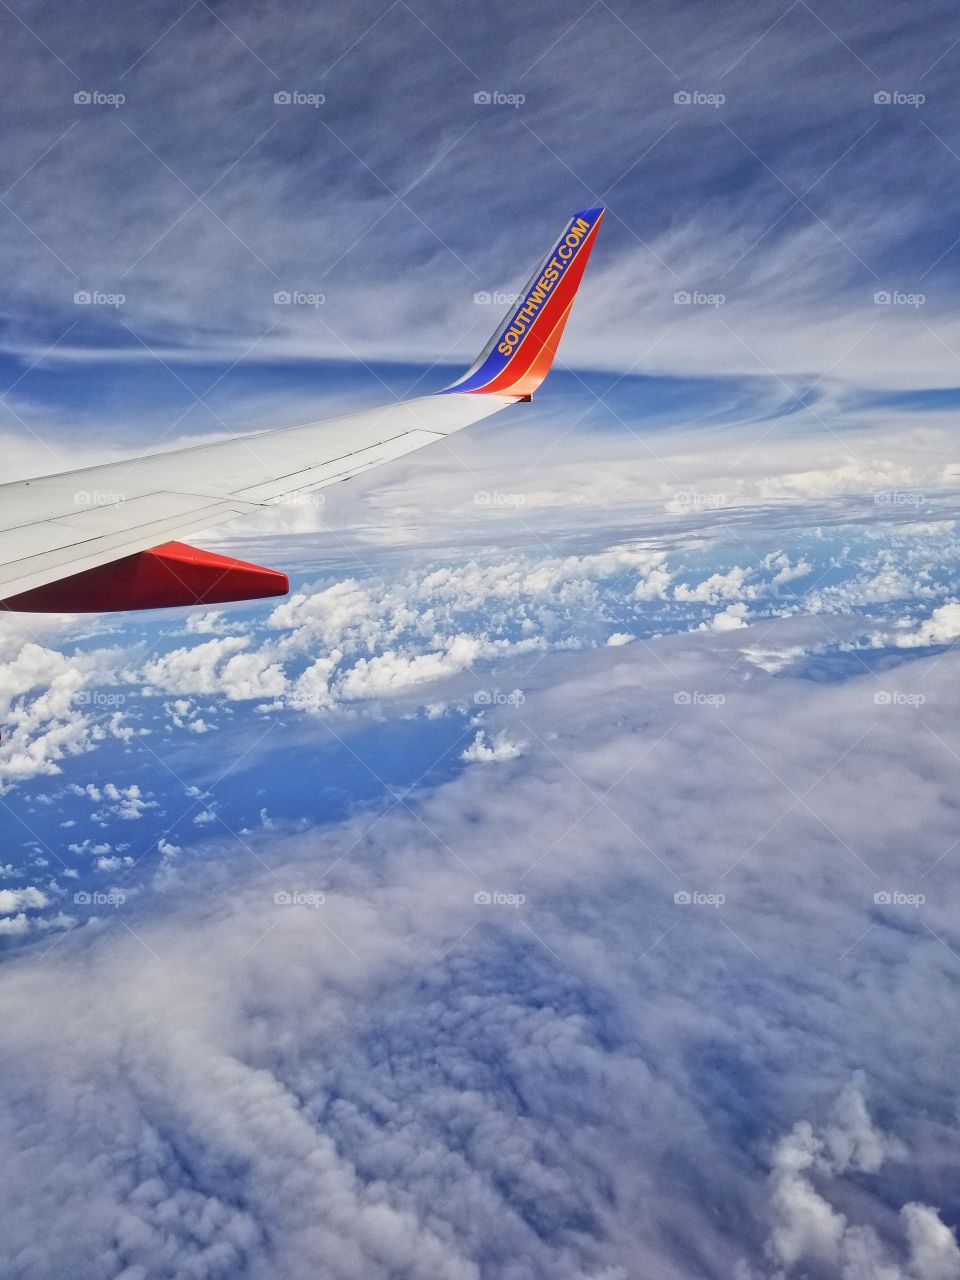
103, 538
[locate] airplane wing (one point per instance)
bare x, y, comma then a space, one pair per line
99, 539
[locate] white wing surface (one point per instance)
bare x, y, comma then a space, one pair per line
104, 537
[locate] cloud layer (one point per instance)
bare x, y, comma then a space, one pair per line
577, 1011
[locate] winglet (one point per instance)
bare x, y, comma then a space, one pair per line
519, 355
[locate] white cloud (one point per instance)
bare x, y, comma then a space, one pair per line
413, 1094
127, 803
719, 586
942, 627
14, 900
808, 1229
933, 1246
222, 665
500, 747
729, 619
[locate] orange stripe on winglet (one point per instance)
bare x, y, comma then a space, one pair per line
531, 361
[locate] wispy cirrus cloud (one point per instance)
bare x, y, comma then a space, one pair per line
796, 208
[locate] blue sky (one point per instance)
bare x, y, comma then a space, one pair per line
560, 881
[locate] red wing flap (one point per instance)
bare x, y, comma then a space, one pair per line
166, 576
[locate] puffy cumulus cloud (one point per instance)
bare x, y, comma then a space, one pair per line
785, 571
17, 926
354, 645
942, 627
560, 1023
96, 847
13, 900
933, 1245
209, 622
500, 747
15, 906
42, 717
809, 1230
379, 638
729, 619
719, 586
113, 862
224, 665
126, 803
518, 587
48, 709
772, 660
392, 672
